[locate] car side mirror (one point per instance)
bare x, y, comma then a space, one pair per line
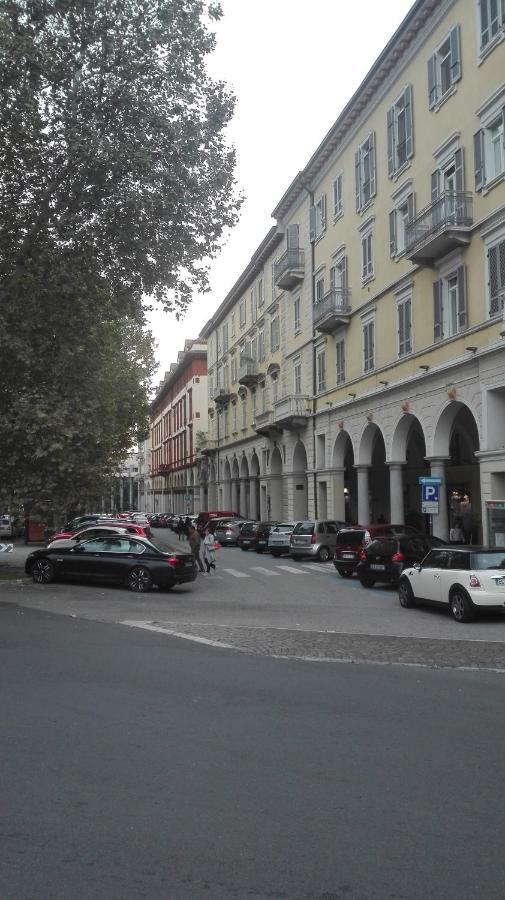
417, 566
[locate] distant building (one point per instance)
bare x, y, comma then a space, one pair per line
178, 416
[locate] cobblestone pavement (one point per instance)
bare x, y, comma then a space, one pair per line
339, 647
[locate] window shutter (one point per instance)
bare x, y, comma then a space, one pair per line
435, 185
455, 54
409, 122
437, 311
372, 344
292, 235
358, 180
503, 109
479, 165
312, 223
391, 140
343, 271
411, 207
371, 145
323, 212
462, 317
460, 174
408, 326
401, 328
392, 232
366, 345
432, 81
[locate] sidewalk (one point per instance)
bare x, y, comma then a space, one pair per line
13, 564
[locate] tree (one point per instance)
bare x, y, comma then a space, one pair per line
116, 184
112, 141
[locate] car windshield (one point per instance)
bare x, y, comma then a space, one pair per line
304, 528
350, 538
491, 560
283, 529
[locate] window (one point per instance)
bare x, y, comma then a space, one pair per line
254, 401
318, 218
489, 151
338, 275
275, 389
254, 306
233, 325
274, 333
398, 219
404, 318
449, 301
338, 196
367, 260
400, 132
319, 288
234, 415
261, 296
340, 360
496, 277
444, 68
368, 345
242, 313
297, 372
252, 347
234, 370
224, 332
365, 172
491, 20
244, 412
225, 422
321, 370
261, 345
296, 314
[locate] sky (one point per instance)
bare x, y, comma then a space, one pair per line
292, 66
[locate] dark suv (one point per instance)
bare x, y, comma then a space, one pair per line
262, 535
247, 537
352, 540
385, 558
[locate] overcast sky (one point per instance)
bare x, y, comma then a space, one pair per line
293, 66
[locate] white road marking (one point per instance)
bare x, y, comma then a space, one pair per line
314, 567
292, 569
263, 571
236, 573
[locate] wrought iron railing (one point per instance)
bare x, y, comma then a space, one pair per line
248, 367
335, 302
291, 259
451, 209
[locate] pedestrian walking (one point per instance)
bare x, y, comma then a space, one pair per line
209, 553
180, 528
195, 542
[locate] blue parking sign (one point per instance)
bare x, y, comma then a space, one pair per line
430, 493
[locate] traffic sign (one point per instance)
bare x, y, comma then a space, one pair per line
428, 479
430, 493
429, 508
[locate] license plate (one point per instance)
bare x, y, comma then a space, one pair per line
347, 555
377, 567
500, 582
246, 542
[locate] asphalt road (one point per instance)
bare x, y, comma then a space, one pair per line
135, 765
281, 607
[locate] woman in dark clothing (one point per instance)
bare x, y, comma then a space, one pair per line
180, 528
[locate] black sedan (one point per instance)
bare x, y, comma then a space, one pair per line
135, 562
385, 558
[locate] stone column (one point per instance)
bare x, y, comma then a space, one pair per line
363, 496
337, 480
243, 497
440, 523
235, 503
253, 494
397, 512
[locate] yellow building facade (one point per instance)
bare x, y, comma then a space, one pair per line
388, 277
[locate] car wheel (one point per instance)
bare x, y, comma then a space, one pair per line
245, 549
275, 553
461, 606
366, 582
406, 595
139, 580
42, 571
323, 554
345, 573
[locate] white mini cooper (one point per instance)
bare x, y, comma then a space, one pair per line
464, 578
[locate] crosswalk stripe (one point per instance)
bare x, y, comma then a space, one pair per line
263, 571
236, 573
298, 571
314, 567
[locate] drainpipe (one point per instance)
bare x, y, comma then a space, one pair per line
310, 192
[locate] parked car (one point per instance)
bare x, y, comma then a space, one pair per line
247, 537
465, 579
6, 526
314, 538
352, 540
227, 531
204, 517
385, 558
132, 561
278, 539
87, 534
262, 536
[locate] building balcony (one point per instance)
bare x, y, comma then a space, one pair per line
248, 372
440, 227
289, 269
264, 422
220, 395
291, 411
333, 310
208, 446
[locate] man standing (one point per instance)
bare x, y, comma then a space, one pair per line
195, 541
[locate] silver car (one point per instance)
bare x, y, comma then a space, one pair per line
228, 530
278, 541
317, 539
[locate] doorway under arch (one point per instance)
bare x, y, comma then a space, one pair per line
300, 500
